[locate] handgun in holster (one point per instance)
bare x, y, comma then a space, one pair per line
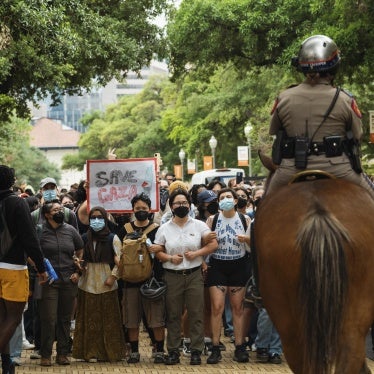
276, 153
352, 150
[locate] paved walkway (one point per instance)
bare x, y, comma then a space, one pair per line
146, 365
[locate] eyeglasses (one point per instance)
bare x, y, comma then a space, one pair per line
243, 196
94, 217
181, 203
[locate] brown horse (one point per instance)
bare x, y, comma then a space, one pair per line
315, 251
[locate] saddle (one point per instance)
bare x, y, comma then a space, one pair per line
310, 175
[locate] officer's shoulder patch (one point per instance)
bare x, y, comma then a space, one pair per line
274, 106
354, 105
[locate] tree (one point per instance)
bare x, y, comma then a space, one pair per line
262, 33
60, 46
132, 127
30, 163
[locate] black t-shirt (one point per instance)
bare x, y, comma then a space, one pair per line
157, 265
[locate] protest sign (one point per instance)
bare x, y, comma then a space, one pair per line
113, 183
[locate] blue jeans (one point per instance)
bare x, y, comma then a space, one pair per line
15, 343
267, 335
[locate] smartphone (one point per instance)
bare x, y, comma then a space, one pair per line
239, 177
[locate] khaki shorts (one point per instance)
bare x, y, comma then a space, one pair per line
133, 306
14, 285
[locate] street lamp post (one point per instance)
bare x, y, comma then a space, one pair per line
182, 155
213, 146
247, 132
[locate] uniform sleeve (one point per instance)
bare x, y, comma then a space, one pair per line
275, 122
354, 117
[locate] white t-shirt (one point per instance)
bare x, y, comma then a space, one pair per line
178, 240
227, 229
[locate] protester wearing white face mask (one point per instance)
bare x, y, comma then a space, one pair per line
228, 271
48, 188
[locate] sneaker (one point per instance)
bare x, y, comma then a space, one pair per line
187, 348
172, 358
215, 357
35, 355
274, 358
134, 358
262, 355
241, 355
195, 358
159, 358
27, 345
253, 347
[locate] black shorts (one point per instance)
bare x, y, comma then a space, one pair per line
232, 273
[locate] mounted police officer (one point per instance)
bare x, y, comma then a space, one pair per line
317, 126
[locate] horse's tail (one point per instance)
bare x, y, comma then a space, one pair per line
323, 287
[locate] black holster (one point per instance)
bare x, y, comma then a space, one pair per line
351, 148
276, 153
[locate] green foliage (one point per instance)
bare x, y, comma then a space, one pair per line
132, 127
30, 164
53, 47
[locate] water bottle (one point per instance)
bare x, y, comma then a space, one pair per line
52, 276
148, 243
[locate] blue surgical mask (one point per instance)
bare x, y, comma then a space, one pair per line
97, 224
227, 203
49, 195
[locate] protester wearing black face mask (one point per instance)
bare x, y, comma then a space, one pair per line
179, 245
134, 306
207, 204
60, 243
243, 199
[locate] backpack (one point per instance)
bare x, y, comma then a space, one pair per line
242, 218
6, 240
135, 264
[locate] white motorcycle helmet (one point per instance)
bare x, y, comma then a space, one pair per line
317, 54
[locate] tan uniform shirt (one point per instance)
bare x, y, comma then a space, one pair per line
300, 110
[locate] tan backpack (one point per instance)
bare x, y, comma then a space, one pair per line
135, 263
